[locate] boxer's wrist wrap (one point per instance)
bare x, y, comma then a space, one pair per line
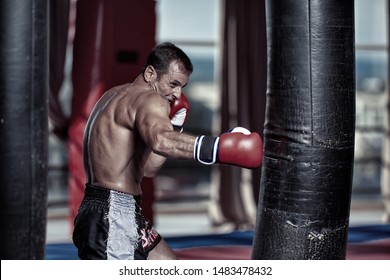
206, 149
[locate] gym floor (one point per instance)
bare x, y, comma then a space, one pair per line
188, 229
191, 218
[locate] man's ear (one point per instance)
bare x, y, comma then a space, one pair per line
150, 74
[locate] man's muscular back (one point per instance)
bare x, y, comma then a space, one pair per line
116, 156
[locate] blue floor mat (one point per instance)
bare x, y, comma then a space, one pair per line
368, 233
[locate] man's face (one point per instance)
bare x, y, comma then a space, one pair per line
171, 84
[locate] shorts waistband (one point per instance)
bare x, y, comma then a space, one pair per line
111, 197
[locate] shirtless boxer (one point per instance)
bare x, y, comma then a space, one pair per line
131, 131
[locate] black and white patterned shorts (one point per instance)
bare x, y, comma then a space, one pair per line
109, 225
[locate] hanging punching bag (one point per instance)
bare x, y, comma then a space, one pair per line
23, 128
305, 190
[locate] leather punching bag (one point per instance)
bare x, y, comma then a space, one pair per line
23, 128
305, 189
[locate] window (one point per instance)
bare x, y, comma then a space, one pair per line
194, 26
371, 92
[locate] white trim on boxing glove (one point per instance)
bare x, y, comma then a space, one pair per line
206, 149
240, 129
179, 117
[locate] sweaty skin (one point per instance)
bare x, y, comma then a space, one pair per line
129, 134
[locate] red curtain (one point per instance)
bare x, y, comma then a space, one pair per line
112, 40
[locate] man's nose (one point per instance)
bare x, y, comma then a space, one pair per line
177, 93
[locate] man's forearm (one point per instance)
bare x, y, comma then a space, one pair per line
153, 165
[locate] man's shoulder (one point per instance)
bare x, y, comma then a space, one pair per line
136, 99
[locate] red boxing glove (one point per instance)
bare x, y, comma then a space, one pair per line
237, 147
179, 111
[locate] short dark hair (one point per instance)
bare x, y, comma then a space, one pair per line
163, 55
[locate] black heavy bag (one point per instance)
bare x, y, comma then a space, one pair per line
23, 128
305, 190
